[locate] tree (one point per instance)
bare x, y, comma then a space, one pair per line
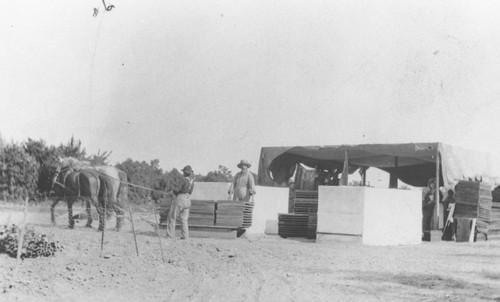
2, 142
18, 172
223, 174
148, 175
72, 149
41, 151
99, 159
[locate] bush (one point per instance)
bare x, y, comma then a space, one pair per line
18, 173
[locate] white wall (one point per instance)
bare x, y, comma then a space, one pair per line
210, 190
269, 201
380, 216
340, 210
392, 217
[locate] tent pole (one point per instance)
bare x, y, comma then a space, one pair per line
344, 181
393, 180
437, 185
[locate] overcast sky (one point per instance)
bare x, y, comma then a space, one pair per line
211, 82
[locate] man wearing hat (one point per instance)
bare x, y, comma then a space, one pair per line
243, 186
181, 204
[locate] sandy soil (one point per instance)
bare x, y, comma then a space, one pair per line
259, 268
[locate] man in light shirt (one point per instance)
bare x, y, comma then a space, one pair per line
243, 185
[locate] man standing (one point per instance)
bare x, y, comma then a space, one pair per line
428, 203
181, 204
243, 186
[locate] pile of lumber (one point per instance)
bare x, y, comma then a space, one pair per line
214, 213
247, 214
233, 214
306, 202
494, 227
474, 200
229, 213
293, 225
202, 212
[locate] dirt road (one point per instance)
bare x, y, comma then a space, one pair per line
264, 268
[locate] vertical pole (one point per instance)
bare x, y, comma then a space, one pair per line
437, 185
158, 230
103, 224
344, 180
133, 229
21, 232
363, 179
393, 180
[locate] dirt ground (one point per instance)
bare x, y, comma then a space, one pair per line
257, 268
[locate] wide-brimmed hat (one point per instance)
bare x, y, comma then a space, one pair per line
188, 169
244, 162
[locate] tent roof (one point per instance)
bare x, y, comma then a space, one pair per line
413, 163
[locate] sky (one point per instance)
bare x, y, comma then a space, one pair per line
209, 83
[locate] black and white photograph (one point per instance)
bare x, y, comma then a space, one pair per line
249, 150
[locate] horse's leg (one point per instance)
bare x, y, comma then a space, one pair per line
70, 201
52, 208
101, 209
89, 214
119, 215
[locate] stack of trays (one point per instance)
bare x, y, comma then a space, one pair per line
494, 226
202, 212
305, 206
474, 200
306, 202
247, 215
229, 213
293, 225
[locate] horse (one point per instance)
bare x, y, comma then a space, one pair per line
70, 185
113, 193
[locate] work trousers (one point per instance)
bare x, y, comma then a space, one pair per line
426, 225
179, 210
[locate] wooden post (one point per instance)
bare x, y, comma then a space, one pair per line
133, 229
344, 180
363, 177
103, 225
21, 232
437, 185
159, 236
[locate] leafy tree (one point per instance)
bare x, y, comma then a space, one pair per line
18, 172
148, 175
41, 151
72, 149
223, 174
2, 142
99, 159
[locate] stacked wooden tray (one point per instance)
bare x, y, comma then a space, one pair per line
306, 202
202, 212
474, 200
247, 214
494, 227
293, 225
229, 213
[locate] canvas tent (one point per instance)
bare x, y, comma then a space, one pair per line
412, 163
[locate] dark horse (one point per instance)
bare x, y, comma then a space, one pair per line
70, 185
113, 194
110, 183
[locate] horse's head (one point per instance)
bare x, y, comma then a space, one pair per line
48, 177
